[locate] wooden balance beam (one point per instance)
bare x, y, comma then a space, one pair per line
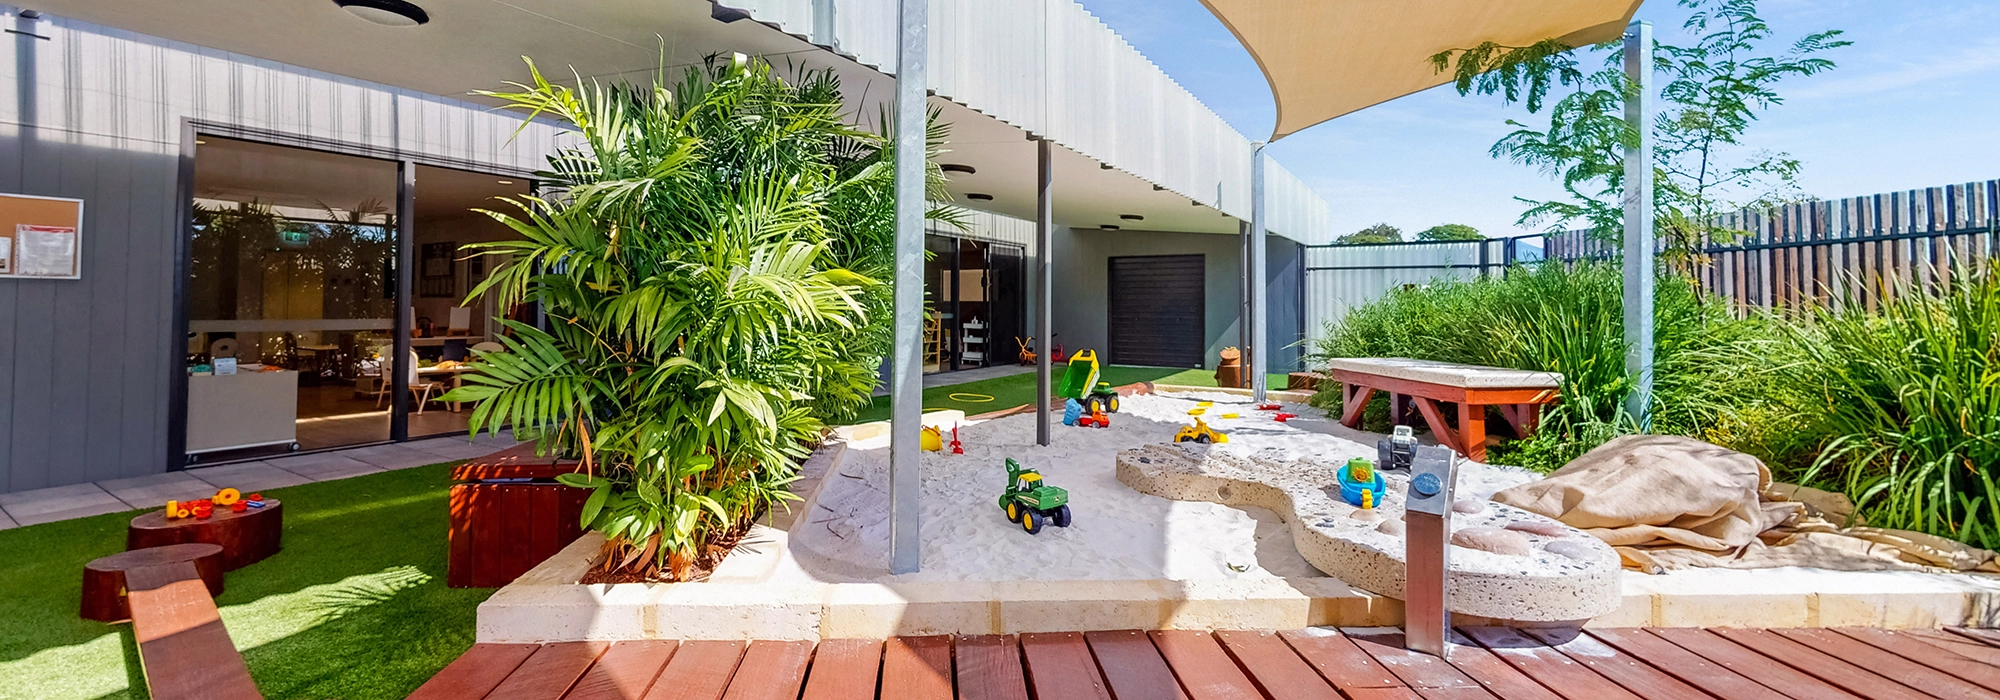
1520, 394
183, 648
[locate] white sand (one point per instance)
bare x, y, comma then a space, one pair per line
1118, 534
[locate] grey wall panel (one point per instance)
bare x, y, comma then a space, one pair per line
87, 366
1081, 274
1284, 266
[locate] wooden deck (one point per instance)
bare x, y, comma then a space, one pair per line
1494, 662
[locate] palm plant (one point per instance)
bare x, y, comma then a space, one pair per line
695, 260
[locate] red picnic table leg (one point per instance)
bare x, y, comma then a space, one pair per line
1472, 430
1353, 400
1439, 429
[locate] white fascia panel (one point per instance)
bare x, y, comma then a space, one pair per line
1053, 69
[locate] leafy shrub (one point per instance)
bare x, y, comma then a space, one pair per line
690, 260
1904, 406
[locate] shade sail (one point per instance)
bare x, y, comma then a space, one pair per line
1326, 58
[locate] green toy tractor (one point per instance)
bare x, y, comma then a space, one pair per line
1080, 382
1030, 502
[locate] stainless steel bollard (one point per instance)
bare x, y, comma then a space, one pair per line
1427, 550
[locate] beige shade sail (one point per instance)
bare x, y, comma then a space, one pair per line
1326, 58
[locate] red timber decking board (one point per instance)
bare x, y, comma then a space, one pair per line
1132, 666
1059, 665
1486, 663
989, 668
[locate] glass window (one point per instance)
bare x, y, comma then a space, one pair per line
290, 299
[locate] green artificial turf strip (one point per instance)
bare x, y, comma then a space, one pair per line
354, 607
1015, 390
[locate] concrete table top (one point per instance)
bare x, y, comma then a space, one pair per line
1448, 374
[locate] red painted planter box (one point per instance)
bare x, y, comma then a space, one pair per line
508, 514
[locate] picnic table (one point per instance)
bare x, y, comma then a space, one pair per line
1520, 395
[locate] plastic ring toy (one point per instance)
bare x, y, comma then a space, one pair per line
228, 497
970, 398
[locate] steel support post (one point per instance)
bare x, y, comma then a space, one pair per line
1045, 243
1244, 291
1427, 550
906, 373
1257, 356
406, 298
1639, 237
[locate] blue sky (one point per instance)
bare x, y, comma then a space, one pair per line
1915, 102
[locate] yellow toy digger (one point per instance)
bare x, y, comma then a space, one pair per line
1199, 432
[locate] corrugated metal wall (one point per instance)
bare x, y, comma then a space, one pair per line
1339, 278
96, 113
988, 226
1052, 68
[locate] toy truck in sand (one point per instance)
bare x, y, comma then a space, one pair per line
1030, 502
1080, 382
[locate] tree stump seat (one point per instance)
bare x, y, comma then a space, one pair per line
105, 585
246, 537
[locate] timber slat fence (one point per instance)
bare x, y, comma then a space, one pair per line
1870, 248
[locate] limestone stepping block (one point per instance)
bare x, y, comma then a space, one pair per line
1527, 567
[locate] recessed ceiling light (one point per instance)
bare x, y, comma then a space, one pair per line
199, 142
1109, 227
389, 13
506, 182
1131, 217
957, 168
981, 196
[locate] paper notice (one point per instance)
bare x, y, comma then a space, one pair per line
6, 255
45, 251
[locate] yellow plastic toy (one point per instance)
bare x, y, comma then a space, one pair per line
228, 497
932, 440
1231, 415
1367, 500
1205, 404
1200, 432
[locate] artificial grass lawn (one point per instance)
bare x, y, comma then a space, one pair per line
1019, 389
354, 607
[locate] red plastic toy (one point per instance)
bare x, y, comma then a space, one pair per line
1096, 419
1282, 417
1268, 407
955, 447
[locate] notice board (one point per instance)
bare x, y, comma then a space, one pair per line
41, 237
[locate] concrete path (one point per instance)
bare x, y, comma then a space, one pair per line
154, 490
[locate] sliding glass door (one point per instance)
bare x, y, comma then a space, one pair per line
293, 297
290, 299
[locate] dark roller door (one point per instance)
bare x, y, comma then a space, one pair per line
1155, 302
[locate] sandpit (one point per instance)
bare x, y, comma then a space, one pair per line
1118, 534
